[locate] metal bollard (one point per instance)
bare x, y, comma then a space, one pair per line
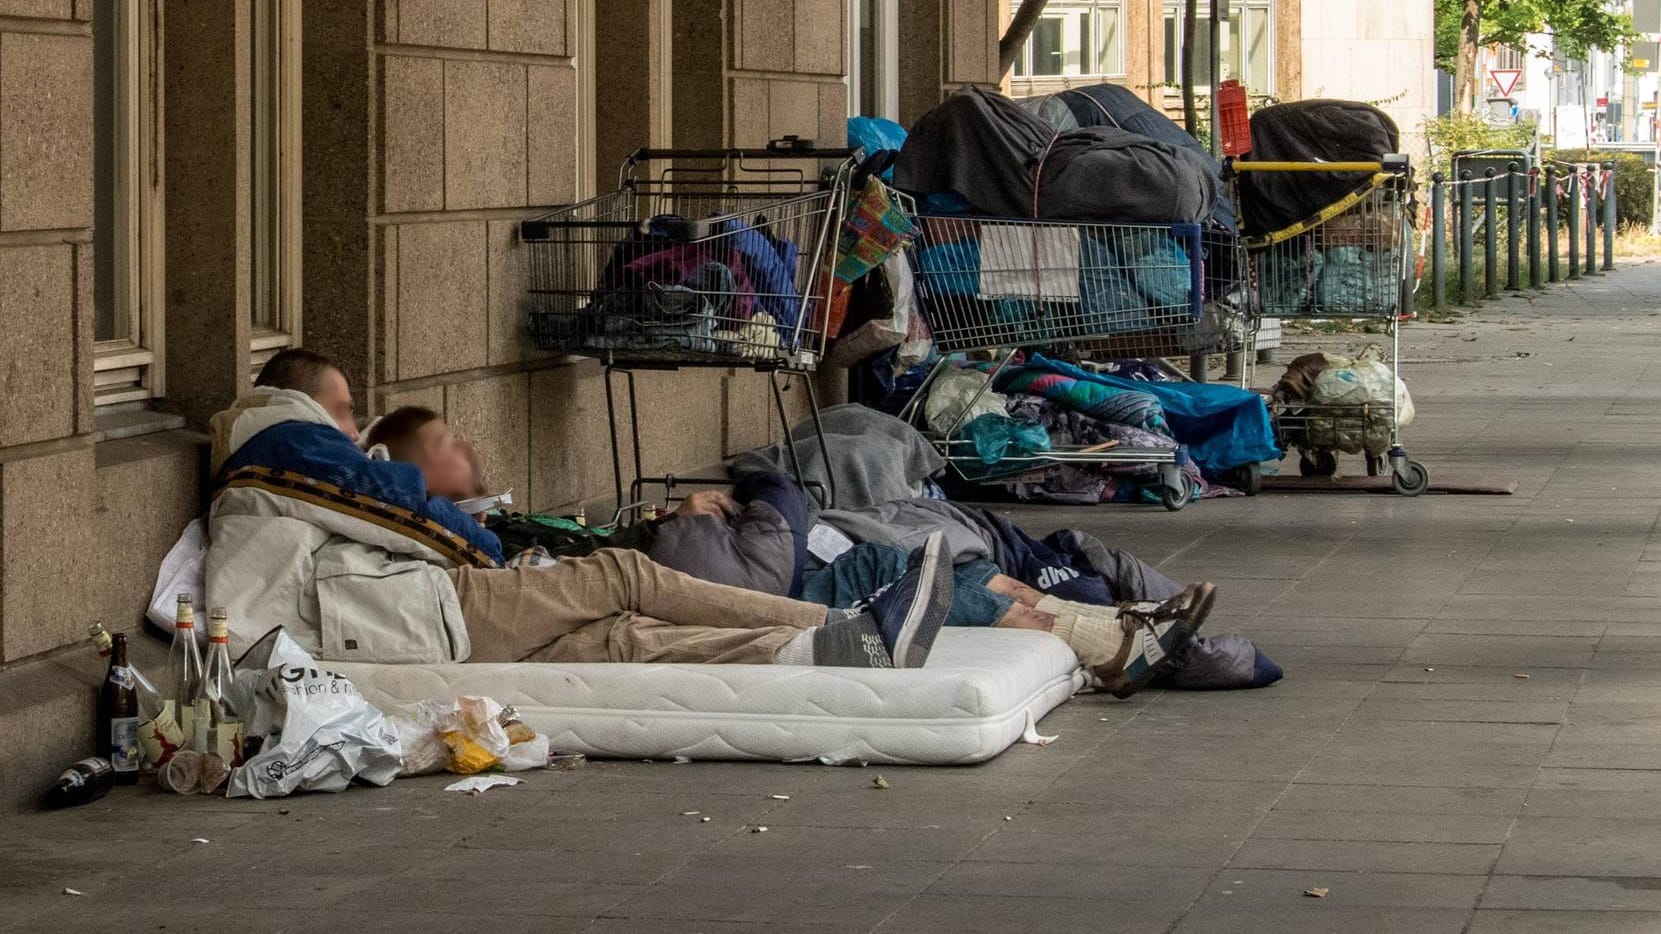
1466, 206
1490, 235
1554, 269
1532, 207
1513, 249
1609, 206
1574, 225
1439, 240
1590, 186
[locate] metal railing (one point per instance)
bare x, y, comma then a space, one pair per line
1534, 207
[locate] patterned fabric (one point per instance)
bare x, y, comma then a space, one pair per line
1108, 403
329, 496
874, 230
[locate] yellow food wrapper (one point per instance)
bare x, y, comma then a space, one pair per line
466, 756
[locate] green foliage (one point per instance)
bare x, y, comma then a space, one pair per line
1577, 25
1634, 187
1455, 132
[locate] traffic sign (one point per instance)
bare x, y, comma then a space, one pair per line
1505, 79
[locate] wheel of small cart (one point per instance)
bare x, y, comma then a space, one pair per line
1411, 480
1177, 497
1247, 478
1318, 464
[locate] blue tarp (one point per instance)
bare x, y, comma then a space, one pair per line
1222, 426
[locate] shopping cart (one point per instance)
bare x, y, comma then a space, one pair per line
1352, 260
1007, 285
700, 258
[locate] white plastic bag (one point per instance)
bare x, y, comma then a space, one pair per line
465, 735
319, 733
881, 333
953, 391
1364, 381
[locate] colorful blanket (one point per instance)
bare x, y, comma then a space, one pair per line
1097, 400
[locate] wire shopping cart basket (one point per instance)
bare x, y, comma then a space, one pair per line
699, 258
1004, 285
1353, 260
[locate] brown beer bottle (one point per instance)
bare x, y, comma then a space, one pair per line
118, 715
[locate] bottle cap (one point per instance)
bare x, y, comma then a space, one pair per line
218, 612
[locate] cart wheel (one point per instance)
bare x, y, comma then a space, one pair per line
1319, 464
1178, 496
1411, 480
1247, 478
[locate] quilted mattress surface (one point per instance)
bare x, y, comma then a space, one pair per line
979, 693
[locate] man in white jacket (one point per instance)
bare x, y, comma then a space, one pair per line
360, 564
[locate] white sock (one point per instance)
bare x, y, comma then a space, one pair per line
798, 651
1094, 632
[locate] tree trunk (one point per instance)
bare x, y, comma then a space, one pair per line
1465, 79
1190, 112
1020, 27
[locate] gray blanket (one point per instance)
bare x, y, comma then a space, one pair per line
876, 457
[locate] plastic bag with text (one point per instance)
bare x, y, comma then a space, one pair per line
318, 733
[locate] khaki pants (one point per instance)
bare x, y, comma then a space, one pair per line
619, 606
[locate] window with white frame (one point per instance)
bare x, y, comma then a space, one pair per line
1247, 53
275, 178
1075, 39
127, 257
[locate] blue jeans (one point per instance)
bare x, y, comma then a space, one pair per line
866, 568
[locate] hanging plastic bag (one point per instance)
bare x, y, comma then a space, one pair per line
1364, 382
318, 733
874, 135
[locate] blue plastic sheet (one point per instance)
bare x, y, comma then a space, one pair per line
1223, 426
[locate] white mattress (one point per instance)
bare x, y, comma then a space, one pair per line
981, 690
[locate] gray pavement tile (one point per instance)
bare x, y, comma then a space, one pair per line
1092, 842
1083, 786
1557, 922
961, 914
1462, 711
1603, 756
1573, 893
855, 845
1256, 889
783, 889
1293, 824
688, 926
1302, 915
1367, 856
1520, 627
1166, 888
1582, 846
1317, 629
1436, 648
1421, 673
1375, 799
1330, 770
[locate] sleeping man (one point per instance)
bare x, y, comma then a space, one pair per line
361, 562
1123, 644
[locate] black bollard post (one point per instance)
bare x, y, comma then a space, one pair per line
1513, 218
1574, 225
1591, 188
1532, 207
1609, 206
1467, 205
1439, 240
1490, 235
1554, 268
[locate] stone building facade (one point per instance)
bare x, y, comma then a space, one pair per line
186, 186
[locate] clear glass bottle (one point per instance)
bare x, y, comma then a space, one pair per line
184, 669
217, 722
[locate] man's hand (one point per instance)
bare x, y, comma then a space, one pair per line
708, 503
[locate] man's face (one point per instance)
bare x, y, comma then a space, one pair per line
335, 396
447, 462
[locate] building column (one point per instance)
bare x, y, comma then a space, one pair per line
209, 251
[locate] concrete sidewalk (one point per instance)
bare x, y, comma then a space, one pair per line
1468, 738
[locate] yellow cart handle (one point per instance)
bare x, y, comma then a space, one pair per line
1373, 167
